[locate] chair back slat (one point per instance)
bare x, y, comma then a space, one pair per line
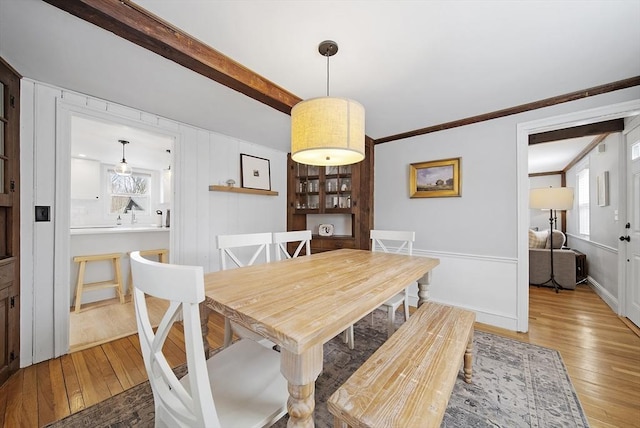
395, 241
244, 249
183, 287
281, 239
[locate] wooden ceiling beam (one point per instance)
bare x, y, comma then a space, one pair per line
572, 96
131, 22
615, 125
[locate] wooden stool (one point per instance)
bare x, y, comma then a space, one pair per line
111, 283
161, 253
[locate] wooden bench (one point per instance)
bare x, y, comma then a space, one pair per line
407, 382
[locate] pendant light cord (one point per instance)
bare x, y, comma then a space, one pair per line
327, 74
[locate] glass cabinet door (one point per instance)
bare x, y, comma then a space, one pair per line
307, 183
338, 187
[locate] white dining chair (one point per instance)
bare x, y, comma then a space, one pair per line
389, 241
281, 239
243, 250
240, 385
394, 241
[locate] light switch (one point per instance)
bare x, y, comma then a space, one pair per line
42, 213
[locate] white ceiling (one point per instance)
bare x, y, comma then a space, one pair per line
556, 155
412, 64
98, 140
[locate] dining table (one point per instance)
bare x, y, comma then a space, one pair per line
302, 303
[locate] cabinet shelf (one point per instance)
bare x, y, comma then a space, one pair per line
215, 188
324, 194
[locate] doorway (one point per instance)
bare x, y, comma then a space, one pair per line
523, 132
111, 212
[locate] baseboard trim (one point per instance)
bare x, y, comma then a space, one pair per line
604, 294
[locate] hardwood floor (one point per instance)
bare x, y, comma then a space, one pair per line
108, 320
601, 353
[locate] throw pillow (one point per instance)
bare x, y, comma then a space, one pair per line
558, 240
538, 239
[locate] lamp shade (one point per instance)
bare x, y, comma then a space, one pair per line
327, 131
551, 198
123, 169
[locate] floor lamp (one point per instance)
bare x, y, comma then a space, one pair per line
552, 199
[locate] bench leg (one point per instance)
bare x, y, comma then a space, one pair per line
468, 358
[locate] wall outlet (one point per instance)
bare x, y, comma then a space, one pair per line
42, 213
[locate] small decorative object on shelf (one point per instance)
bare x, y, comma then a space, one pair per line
231, 182
325, 230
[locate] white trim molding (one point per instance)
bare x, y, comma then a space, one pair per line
459, 280
604, 294
584, 117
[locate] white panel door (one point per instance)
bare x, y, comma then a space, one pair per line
632, 231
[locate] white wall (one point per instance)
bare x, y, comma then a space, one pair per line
476, 235
601, 247
201, 158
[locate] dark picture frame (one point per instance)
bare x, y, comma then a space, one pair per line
435, 179
255, 172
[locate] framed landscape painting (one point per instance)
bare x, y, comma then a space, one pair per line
435, 179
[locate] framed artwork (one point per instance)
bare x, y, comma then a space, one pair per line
435, 179
602, 188
255, 172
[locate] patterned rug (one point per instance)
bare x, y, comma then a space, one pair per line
515, 384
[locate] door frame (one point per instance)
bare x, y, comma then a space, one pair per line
584, 117
623, 213
65, 109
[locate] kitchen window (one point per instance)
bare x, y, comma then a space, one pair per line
126, 193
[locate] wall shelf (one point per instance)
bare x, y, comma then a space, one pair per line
214, 188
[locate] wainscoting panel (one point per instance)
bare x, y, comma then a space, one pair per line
485, 285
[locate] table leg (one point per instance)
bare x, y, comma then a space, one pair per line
468, 358
423, 288
301, 371
204, 325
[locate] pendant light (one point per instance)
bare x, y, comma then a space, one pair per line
123, 167
327, 131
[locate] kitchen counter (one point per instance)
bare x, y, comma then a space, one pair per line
125, 228
111, 239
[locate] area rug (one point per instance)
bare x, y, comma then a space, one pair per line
515, 384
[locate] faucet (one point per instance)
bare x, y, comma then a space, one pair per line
133, 215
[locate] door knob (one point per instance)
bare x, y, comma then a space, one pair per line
625, 238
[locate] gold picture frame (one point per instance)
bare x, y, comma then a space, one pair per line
435, 179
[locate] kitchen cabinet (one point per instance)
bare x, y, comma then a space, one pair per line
85, 179
332, 192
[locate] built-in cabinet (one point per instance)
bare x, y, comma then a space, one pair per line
338, 195
9, 221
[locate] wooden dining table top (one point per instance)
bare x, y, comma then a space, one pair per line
303, 302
